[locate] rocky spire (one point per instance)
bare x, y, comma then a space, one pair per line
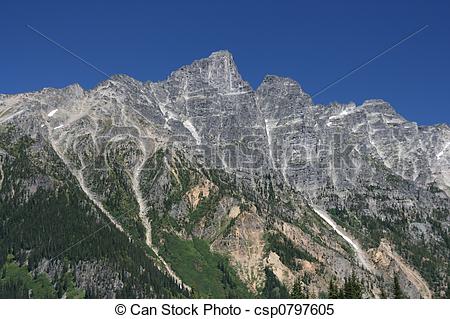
280, 97
218, 71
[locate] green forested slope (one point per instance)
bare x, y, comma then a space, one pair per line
46, 218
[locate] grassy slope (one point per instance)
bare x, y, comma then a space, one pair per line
206, 272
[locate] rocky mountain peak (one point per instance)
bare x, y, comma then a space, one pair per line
280, 96
218, 71
378, 106
221, 54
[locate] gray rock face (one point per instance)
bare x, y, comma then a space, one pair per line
208, 106
365, 161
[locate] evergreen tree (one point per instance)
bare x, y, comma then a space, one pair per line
398, 293
273, 288
341, 294
297, 290
333, 290
352, 288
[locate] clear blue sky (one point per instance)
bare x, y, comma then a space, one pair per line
313, 42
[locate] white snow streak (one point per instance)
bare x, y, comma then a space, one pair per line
234, 93
439, 155
190, 127
2, 174
357, 126
11, 116
52, 113
359, 252
269, 126
343, 113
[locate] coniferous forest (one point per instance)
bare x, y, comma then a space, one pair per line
55, 228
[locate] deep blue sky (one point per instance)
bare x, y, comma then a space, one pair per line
313, 42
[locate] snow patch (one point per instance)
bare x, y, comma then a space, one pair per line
11, 116
359, 252
52, 113
343, 113
234, 93
269, 126
357, 127
198, 96
190, 127
439, 155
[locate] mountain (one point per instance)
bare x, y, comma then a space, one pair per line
200, 186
